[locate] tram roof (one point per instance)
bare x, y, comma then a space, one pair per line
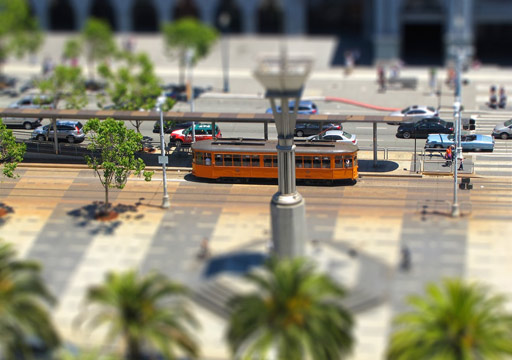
187, 116
269, 146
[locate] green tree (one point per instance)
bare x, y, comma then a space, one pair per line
24, 301
11, 152
133, 86
66, 83
295, 313
98, 41
146, 313
113, 147
19, 32
72, 49
184, 34
453, 321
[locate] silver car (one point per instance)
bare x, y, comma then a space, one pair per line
503, 130
415, 112
34, 101
72, 131
334, 135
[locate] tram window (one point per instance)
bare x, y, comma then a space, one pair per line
218, 160
228, 160
199, 158
317, 162
255, 160
267, 160
298, 161
274, 161
237, 160
308, 161
246, 160
326, 162
338, 162
348, 162
207, 159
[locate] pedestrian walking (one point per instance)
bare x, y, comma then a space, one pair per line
349, 62
432, 80
381, 78
204, 249
460, 160
405, 263
493, 99
448, 156
503, 98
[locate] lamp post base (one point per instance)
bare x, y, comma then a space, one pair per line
455, 210
288, 228
165, 202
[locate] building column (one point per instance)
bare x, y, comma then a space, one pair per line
294, 16
387, 30
123, 13
164, 9
82, 11
207, 10
42, 10
459, 25
249, 9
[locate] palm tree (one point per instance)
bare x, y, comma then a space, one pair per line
145, 312
295, 313
453, 321
24, 302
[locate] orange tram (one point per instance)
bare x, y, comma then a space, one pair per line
257, 158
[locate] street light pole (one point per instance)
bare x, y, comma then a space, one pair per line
163, 160
190, 88
284, 79
457, 122
224, 22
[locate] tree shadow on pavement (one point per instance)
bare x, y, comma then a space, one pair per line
382, 166
87, 216
5, 211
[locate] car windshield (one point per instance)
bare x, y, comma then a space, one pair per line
346, 134
451, 137
431, 108
508, 122
405, 110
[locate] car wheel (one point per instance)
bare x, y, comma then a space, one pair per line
300, 133
27, 125
70, 139
40, 138
406, 135
504, 136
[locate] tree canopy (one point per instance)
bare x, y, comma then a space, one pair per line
65, 83
113, 149
24, 301
98, 41
188, 33
133, 86
453, 321
295, 313
147, 313
19, 32
11, 152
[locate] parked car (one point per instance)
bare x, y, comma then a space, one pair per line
33, 101
306, 107
307, 129
69, 130
424, 127
473, 142
179, 92
503, 130
202, 131
415, 112
334, 135
171, 126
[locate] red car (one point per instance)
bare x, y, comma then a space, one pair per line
184, 136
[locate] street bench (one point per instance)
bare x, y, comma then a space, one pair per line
403, 82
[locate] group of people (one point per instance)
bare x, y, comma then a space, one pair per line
497, 100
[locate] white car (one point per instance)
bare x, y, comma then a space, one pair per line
415, 112
334, 135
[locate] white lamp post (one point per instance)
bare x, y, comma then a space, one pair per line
284, 79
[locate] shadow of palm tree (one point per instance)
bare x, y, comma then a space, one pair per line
89, 216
